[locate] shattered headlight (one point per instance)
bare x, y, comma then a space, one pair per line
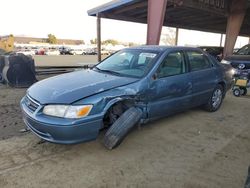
67, 111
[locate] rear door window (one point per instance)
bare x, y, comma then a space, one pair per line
198, 61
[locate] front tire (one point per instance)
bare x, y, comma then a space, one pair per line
120, 128
215, 101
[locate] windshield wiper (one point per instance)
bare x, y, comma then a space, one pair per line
108, 71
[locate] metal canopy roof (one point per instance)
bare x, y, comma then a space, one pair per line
202, 15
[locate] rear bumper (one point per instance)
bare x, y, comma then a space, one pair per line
68, 133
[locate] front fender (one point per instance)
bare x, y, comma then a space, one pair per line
103, 101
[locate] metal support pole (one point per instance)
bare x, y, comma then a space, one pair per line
234, 21
176, 36
221, 38
156, 15
99, 38
249, 40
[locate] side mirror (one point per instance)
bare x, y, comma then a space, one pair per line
155, 76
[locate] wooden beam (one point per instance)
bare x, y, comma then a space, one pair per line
137, 13
99, 55
234, 22
221, 38
208, 6
176, 36
209, 23
155, 19
131, 7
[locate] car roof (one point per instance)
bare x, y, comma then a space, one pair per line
219, 47
162, 48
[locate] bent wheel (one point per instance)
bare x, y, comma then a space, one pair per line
120, 128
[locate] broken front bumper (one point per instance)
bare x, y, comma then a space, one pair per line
61, 130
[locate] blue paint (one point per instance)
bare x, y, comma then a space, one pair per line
156, 96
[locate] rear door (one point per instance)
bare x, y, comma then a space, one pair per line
203, 75
170, 89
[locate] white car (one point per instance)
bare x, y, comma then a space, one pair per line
77, 51
52, 52
26, 52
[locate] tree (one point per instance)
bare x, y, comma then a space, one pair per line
111, 41
168, 37
52, 39
93, 41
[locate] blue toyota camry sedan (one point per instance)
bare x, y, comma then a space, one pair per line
128, 88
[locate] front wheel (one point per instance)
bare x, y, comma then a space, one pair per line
120, 128
215, 101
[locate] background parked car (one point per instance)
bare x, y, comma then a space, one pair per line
26, 52
64, 51
52, 52
240, 59
76, 51
40, 51
90, 51
215, 51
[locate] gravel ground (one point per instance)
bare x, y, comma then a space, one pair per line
194, 149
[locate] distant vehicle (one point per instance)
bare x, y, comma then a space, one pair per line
215, 51
40, 51
235, 50
93, 51
90, 51
26, 52
134, 85
64, 51
240, 59
77, 51
245, 50
52, 52
105, 52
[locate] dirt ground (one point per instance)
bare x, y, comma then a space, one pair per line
194, 149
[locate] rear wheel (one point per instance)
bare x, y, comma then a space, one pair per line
120, 128
215, 101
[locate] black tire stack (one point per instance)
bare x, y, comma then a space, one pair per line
17, 70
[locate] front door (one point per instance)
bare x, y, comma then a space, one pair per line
170, 90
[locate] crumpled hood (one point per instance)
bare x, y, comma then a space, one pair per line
70, 87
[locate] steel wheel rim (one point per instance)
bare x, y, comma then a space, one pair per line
217, 98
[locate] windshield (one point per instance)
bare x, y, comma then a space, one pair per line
245, 50
131, 63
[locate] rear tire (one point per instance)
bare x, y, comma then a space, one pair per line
215, 101
120, 128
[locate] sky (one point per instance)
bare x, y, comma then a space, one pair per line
69, 20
